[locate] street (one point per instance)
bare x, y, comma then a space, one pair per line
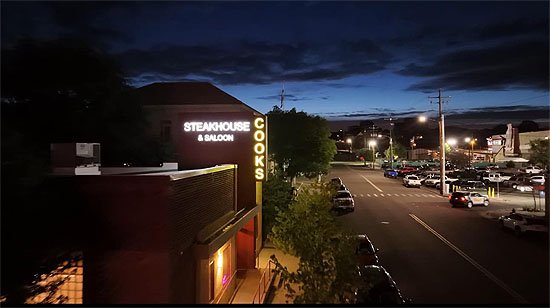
442, 255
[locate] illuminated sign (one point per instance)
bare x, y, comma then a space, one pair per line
259, 149
223, 126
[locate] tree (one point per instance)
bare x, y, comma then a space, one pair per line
398, 150
366, 153
300, 141
309, 231
277, 193
540, 151
528, 126
458, 158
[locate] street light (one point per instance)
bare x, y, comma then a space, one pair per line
472, 142
372, 144
349, 141
451, 141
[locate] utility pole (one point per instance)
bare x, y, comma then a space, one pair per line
391, 140
283, 97
443, 186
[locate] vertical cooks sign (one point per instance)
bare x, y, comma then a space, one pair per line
260, 148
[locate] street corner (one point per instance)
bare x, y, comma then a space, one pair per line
495, 214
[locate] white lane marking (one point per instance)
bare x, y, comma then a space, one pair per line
410, 195
361, 195
385, 222
380, 190
368, 195
404, 195
375, 195
489, 275
381, 195
431, 196
418, 195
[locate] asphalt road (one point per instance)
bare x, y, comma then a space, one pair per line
443, 255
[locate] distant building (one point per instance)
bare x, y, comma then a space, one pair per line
513, 146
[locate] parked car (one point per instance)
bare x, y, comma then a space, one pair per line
468, 198
533, 169
411, 181
336, 181
406, 170
522, 223
365, 251
343, 200
376, 287
390, 173
514, 180
432, 181
524, 187
471, 185
537, 179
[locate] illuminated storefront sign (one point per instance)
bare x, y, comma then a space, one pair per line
216, 127
259, 149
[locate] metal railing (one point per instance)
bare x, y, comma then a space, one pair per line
222, 295
265, 281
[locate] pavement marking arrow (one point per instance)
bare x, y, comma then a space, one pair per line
488, 274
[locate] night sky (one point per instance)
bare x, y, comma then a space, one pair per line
351, 60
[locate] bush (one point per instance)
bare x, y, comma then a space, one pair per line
510, 164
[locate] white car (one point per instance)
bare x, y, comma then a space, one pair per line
537, 179
343, 200
522, 223
411, 181
533, 169
435, 180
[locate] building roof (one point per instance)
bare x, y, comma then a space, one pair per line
185, 93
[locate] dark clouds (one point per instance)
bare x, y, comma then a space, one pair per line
478, 117
258, 62
521, 64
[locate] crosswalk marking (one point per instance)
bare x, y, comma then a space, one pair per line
399, 195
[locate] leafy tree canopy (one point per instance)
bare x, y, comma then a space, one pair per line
398, 150
300, 141
309, 231
540, 152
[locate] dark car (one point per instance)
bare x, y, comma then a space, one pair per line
406, 171
376, 288
390, 173
467, 198
336, 182
365, 251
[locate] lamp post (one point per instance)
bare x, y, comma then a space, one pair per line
349, 141
472, 142
372, 144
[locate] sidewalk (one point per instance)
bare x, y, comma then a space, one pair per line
289, 261
249, 280
506, 202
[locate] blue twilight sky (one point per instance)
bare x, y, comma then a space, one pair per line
340, 60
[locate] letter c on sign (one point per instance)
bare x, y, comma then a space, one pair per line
259, 123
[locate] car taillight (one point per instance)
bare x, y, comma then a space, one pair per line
449, 197
462, 198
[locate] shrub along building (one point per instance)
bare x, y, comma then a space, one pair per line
179, 236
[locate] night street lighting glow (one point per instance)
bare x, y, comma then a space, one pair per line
451, 141
422, 119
